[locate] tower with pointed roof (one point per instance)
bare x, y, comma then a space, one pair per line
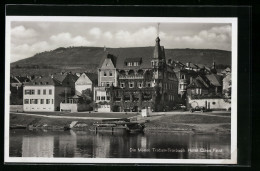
158, 61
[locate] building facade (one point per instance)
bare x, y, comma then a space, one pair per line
44, 94
131, 82
85, 81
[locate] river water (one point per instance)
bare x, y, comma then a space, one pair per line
25, 143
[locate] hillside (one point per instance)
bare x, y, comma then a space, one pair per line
81, 58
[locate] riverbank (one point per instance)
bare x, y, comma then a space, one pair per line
190, 123
195, 123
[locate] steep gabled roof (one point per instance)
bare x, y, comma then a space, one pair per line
46, 80
93, 77
59, 77
108, 55
14, 80
196, 83
214, 79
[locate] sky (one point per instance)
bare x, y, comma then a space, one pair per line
31, 37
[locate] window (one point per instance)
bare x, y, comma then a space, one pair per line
122, 85
105, 74
108, 84
148, 84
42, 101
26, 101
130, 64
110, 73
136, 63
131, 84
182, 76
39, 92
44, 92
33, 101
33, 92
102, 84
103, 98
152, 63
98, 97
213, 103
50, 91
47, 83
108, 97
52, 101
27, 92
140, 85
47, 101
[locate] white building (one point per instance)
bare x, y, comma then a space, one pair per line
107, 76
85, 81
44, 94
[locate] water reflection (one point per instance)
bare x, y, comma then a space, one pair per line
86, 144
38, 146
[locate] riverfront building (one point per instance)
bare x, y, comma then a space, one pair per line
132, 81
44, 94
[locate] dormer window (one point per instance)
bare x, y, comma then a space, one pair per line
131, 85
105, 74
110, 73
133, 61
47, 83
122, 85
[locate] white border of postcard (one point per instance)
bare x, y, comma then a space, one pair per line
232, 21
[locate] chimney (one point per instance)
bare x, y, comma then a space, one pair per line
105, 49
51, 75
188, 64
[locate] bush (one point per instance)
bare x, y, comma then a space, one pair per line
89, 108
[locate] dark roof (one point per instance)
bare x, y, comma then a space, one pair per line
196, 83
122, 55
107, 55
14, 80
193, 65
93, 77
133, 59
60, 77
46, 80
158, 52
214, 79
72, 77
23, 79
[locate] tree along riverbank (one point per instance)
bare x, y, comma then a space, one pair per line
185, 123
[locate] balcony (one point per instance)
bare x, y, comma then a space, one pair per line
131, 77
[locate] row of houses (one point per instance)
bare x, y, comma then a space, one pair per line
130, 82
46, 93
